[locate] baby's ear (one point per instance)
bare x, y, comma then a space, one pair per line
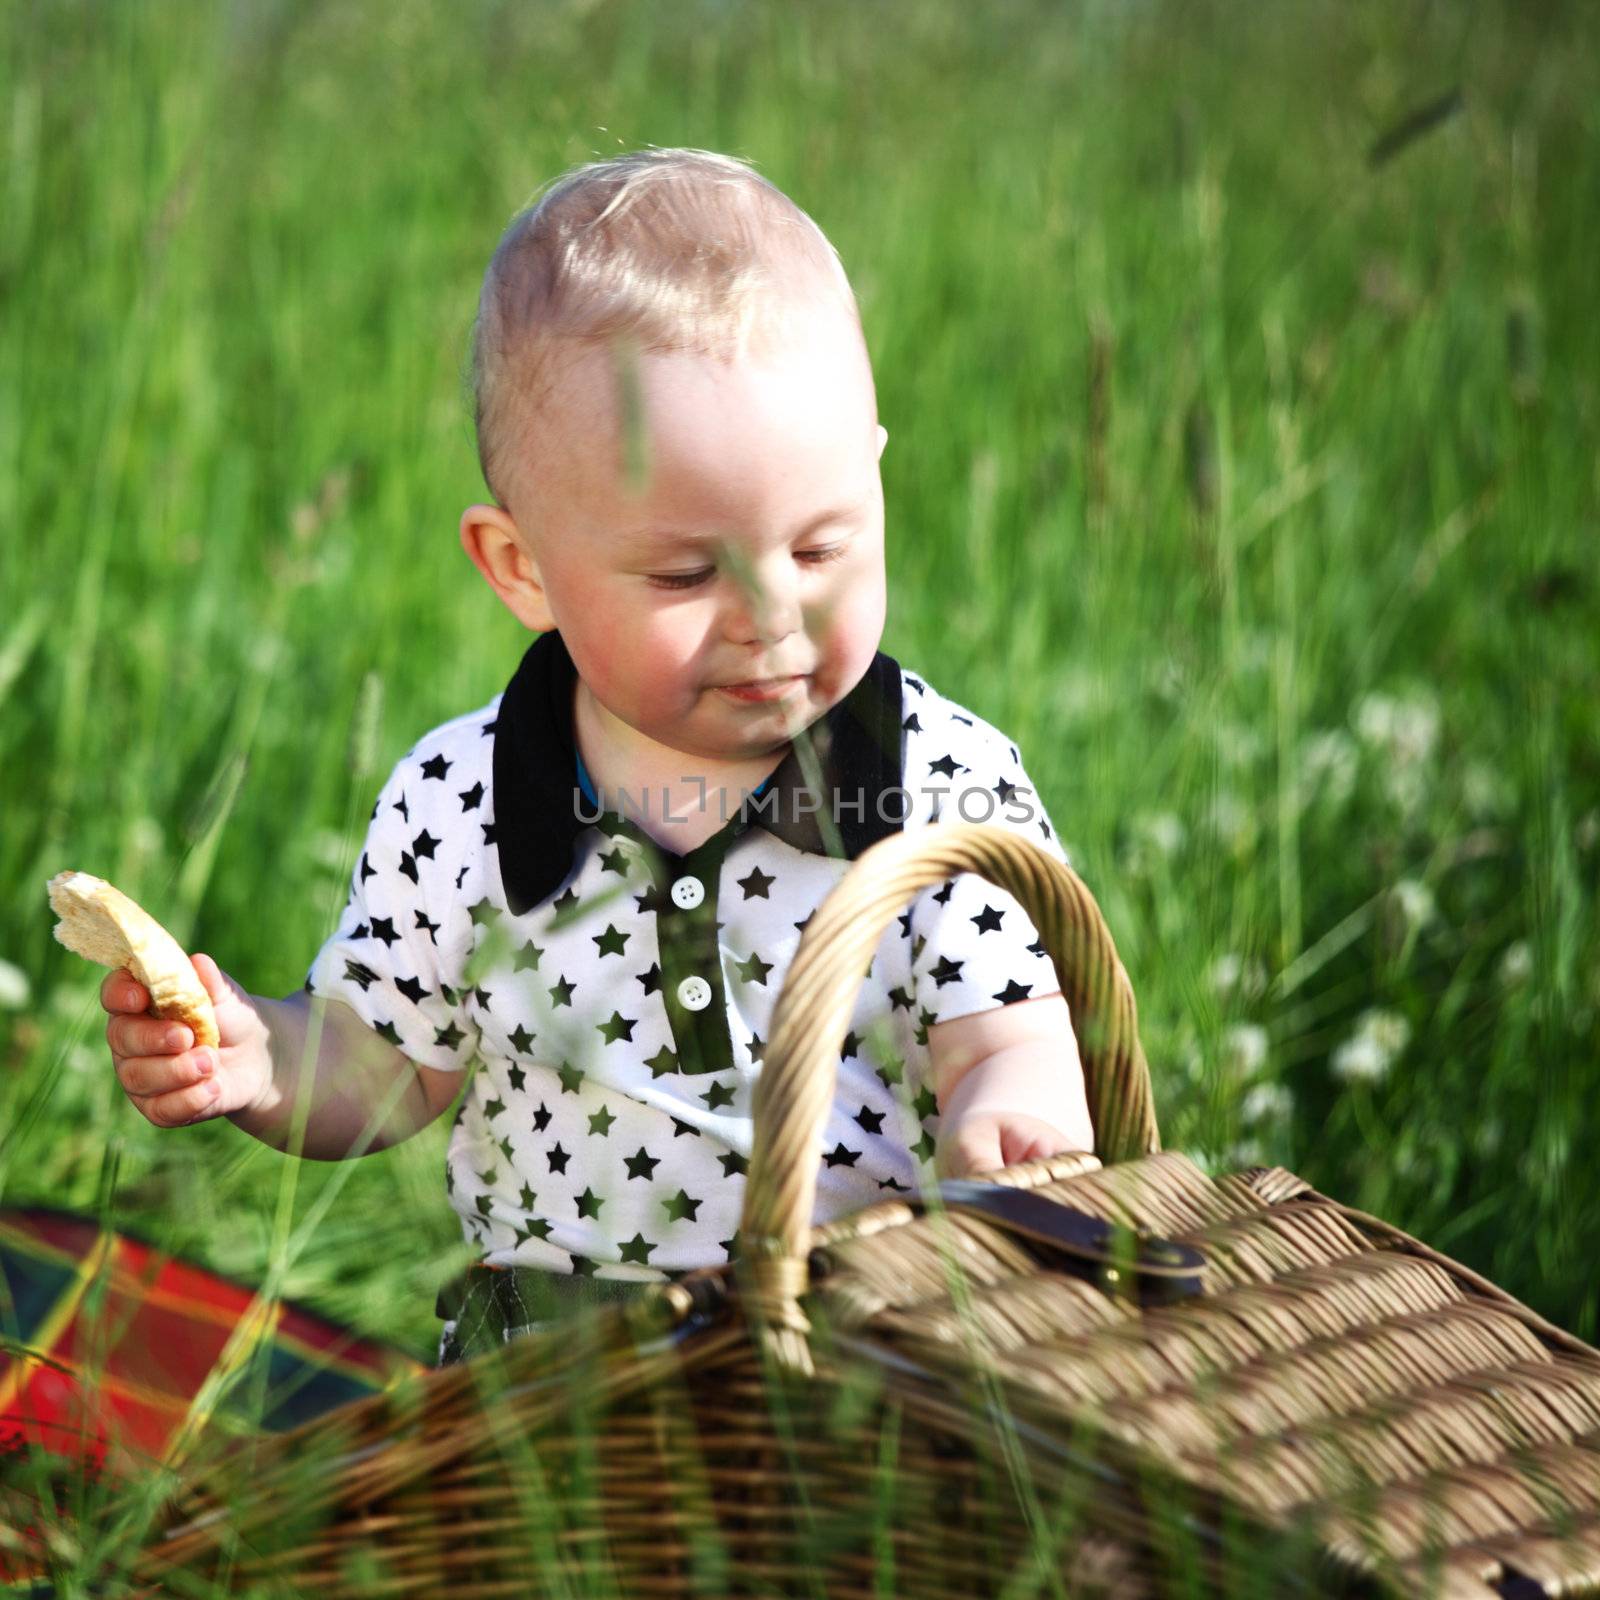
883, 439
489, 537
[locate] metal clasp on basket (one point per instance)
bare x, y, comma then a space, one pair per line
1126, 1263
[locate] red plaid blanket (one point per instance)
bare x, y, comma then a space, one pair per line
107, 1343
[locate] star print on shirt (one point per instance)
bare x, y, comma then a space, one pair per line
756, 882
641, 1164
719, 1094
754, 970
572, 1087
618, 1027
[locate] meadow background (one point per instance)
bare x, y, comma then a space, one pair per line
1242, 466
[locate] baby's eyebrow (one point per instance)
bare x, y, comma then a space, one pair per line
653, 541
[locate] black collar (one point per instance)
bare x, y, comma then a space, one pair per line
539, 809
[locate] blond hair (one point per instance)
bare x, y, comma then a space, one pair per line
667, 250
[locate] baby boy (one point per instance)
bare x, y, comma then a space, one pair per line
590, 889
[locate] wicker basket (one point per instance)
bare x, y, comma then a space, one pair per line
1085, 1375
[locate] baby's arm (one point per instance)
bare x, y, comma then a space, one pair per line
254, 1076
1009, 1086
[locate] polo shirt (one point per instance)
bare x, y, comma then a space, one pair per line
614, 997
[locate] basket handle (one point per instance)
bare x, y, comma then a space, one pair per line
799, 1074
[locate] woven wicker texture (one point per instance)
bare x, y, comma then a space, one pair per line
924, 1400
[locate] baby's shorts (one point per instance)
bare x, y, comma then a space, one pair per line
488, 1305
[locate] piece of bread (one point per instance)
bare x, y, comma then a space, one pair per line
104, 925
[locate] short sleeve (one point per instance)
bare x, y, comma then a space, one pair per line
384, 960
973, 946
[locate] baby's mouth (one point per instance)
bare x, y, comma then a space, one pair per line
762, 688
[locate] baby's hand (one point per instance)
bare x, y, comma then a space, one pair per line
167, 1077
990, 1141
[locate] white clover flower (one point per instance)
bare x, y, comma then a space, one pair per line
1166, 679
1232, 972
1153, 837
83, 1058
1162, 830
1238, 744
15, 990
1516, 965
1244, 1049
1359, 1059
330, 852
1415, 901
1267, 1102
1230, 820
1370, 1051
1402, 730
1587, 833
145, 837
1328, 764
1077, 694
1225, 971
1486, 791
1404, 727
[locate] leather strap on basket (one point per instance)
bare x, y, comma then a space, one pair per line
799, 1071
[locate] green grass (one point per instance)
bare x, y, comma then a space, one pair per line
1248, 483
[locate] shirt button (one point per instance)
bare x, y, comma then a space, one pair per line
694, 994
687, 893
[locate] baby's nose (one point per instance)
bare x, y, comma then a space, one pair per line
765, 607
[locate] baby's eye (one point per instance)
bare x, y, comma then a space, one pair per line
682, 580
817, 557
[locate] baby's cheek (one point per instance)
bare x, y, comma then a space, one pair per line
850, 624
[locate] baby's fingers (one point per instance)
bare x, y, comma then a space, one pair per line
177, 1093
121, 991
